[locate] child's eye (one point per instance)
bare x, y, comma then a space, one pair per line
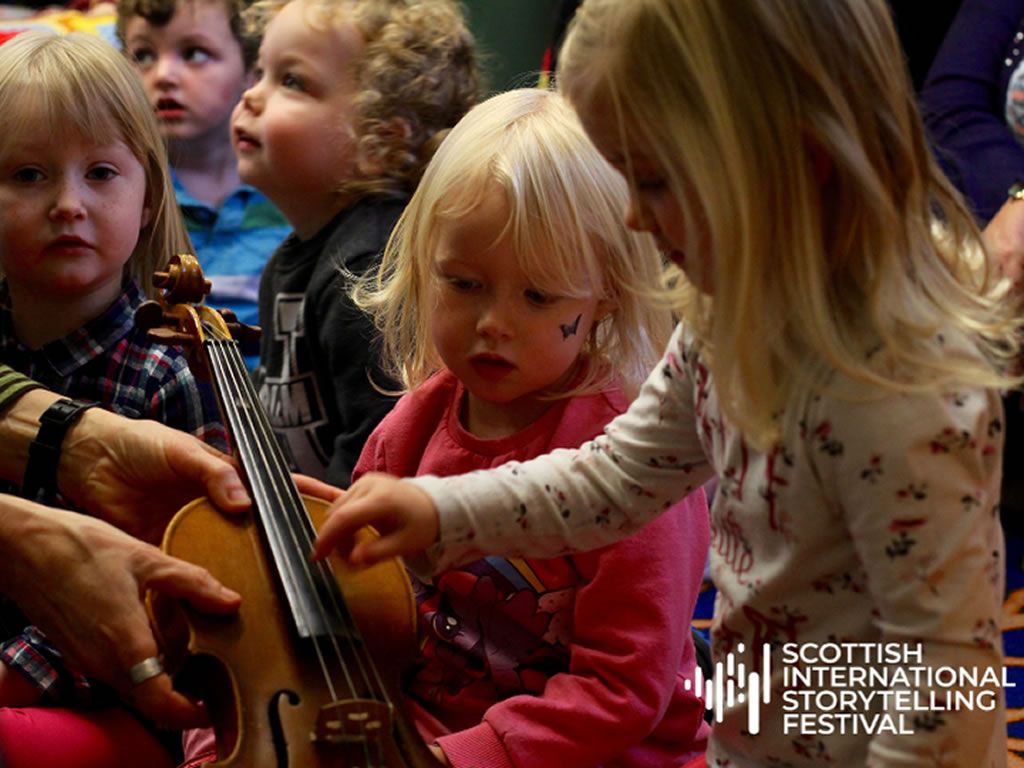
257, 73
28, 175
461, 284
540, 299
101, 173
143, 57
197, 55
293, 81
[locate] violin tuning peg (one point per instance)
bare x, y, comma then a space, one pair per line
149, 315
170, 337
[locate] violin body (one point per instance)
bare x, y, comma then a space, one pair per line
307, 673
264, 692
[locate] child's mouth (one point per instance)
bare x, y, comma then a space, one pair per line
245, 141
491, 367
169, 109
67, 243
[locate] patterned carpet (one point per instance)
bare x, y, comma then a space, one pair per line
1013, 645
1013, 641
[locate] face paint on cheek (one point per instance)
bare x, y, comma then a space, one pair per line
570, 330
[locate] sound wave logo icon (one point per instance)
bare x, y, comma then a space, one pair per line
731, 684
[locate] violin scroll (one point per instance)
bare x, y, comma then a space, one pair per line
178, 317
183, 281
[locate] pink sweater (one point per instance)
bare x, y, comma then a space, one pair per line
565, 662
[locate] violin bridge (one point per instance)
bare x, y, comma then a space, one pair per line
353, 720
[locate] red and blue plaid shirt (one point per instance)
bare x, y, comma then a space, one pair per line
111, 362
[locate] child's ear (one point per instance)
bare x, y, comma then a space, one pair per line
604, 308
394, 132
147, 215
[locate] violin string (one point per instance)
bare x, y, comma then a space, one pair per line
265, 490
303, 526
303, 529
246, 445
302, 534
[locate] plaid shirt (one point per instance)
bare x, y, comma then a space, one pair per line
111, 362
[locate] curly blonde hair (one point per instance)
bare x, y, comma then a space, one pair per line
565, 223
417, 76
81, 84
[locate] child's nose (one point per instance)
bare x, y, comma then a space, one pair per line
167, 69
68, 204
494, 321
252, 100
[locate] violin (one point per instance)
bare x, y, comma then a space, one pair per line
308, 672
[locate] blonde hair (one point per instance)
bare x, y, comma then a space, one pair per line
415, 77
565, 223
81, 84
788, 133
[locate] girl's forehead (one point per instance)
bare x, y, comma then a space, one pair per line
32, 134
40, 141
57, 116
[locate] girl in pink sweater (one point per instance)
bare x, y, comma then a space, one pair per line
515, 308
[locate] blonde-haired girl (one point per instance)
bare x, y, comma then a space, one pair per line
88, 215
564, 227
517, 310
837, 369
58, 87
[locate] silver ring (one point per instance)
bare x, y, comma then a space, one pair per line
145, 670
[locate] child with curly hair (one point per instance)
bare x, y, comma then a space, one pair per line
350, 101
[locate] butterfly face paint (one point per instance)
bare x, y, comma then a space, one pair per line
501, 335
570, 330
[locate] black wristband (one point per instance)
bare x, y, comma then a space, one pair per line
40, 482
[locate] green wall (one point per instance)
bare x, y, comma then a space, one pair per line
512, 34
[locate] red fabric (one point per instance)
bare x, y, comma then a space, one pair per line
700, 762
608, 661
44, 737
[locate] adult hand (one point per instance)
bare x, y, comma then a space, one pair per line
1004, 238
82, 581
137, 474
403, 514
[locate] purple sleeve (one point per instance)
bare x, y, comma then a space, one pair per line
963, 103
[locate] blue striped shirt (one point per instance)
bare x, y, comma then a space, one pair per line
233, 243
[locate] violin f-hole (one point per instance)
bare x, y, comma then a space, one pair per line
273, 702
277, 727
